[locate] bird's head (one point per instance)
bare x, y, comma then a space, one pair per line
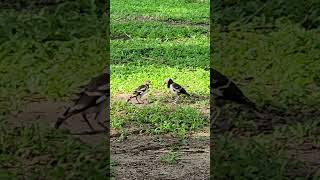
147, 82
168, 81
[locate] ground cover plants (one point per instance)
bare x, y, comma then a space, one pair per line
155, 40
271, 52
47, 49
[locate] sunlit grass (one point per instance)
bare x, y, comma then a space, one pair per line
47, 53
162, 42
196, 11
126, 78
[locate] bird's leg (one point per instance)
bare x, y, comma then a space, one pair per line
102, 116
102, 125
259, 114
60, 120
215, 115
99, 122
138, 100
176, 99
140, 97
87, 121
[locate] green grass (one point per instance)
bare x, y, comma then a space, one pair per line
37, 152
46, 56
158, 119
259, 12
277, 60
46, 52
185, 10
277, 69
249, 159
163, 39
171, 157
124, 82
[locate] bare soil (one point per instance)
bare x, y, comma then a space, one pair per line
139, 157
136, 157
172, 22
45, 114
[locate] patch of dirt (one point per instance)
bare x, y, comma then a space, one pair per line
272, 118
173, 22
120, 97
306, 152
164, 98
136, 157
119, 36
45, 114
125, 97
139, 157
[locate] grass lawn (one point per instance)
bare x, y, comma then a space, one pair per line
154, 41
278, 69
60, 49
46, 52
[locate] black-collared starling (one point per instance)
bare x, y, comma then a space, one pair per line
94, 96
175, 88
140, 91
223, 89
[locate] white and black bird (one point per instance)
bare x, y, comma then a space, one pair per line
140, 91
175, 88
94, 96
223, 89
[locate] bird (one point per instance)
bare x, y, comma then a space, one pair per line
94, 96
175, 88
140, 91
222, 90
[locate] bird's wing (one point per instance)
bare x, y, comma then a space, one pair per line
104, 87
141, 89
101, 99
92, 93
176, 87
223, 88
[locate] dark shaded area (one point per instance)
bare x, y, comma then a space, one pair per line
49, 35
266, 12
27, 4
267, 45
162, 55
82, 6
